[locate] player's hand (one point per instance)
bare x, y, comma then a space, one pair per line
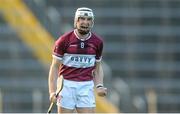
101, 91
52, 97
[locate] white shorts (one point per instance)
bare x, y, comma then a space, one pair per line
76, 94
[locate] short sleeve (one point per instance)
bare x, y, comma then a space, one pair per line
58, 49
99, 52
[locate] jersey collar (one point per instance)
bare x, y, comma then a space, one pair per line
89, 36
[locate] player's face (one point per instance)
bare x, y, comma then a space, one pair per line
84, 25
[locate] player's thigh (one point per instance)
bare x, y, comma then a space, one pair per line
85, 110
65, 110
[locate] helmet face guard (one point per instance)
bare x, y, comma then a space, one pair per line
83, 12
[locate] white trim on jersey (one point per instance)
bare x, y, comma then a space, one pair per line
59, 58
78, 60
81, 38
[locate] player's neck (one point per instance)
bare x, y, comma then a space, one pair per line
84, 37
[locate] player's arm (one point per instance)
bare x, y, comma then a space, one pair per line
98, 80
99, 75
53, 74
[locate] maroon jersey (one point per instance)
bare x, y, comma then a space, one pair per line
78, 56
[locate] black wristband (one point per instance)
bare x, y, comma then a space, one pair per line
99, 85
